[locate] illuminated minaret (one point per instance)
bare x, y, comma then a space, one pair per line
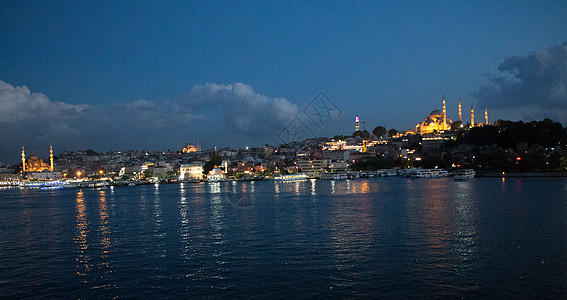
357, 124
472, 116
460, 112
485, 116
51, 157
23, 160
444, 114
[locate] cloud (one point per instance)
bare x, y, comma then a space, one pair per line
27, 113
225, 114
529, 87
244, 111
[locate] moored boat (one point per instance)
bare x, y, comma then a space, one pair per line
464, 174
290, 177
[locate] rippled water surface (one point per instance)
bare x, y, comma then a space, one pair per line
383, 237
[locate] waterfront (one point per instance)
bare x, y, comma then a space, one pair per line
382, 237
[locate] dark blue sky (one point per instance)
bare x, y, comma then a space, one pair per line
157, 74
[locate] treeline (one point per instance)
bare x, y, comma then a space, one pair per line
509, 146
507, 134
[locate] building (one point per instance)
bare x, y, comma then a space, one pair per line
438, 121
336, 155
193, 171
311, 167
45, 175
216, 174
35, 164
191, 148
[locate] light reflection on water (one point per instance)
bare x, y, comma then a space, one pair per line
81, 231
382, 237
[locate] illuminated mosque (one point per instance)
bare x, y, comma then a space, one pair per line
191, 148
438, 121
35, 164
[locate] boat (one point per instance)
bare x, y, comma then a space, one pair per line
291, 177
438, 173
464, 174
96, 184
388, 173
333, 176
420, 173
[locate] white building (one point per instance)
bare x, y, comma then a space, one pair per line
191, 171
46, 175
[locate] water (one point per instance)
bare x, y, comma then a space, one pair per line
383, 237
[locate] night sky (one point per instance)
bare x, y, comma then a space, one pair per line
158, 74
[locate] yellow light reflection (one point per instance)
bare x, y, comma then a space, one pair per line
81, 231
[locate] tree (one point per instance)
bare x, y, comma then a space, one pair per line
379, 131
215, 160
363, 134
340, 137
457, 125
392, 132
148, 173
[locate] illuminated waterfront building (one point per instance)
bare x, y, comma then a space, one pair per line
357, 124
191, 171
35, 164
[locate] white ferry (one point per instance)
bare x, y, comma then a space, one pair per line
428, 173
333, 176
291, 177
420, 173
464, 174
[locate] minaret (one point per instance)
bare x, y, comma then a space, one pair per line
444, 114
51, 157
460, 112
472, 116
357, 124
23, 160
485, 116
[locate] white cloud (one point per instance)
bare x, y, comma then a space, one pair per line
20, 104
243, 110
225, 113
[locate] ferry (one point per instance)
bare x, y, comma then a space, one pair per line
420, 173
428, 173
388, 173
291, 177
464, 174
333, 176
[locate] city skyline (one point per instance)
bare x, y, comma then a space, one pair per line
154, 76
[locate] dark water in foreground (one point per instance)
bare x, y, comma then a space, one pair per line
383, 237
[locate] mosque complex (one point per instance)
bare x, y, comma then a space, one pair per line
438, 120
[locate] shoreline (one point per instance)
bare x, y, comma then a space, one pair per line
520, 174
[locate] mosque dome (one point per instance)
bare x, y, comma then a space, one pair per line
436, 112
433, 122
190, 148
